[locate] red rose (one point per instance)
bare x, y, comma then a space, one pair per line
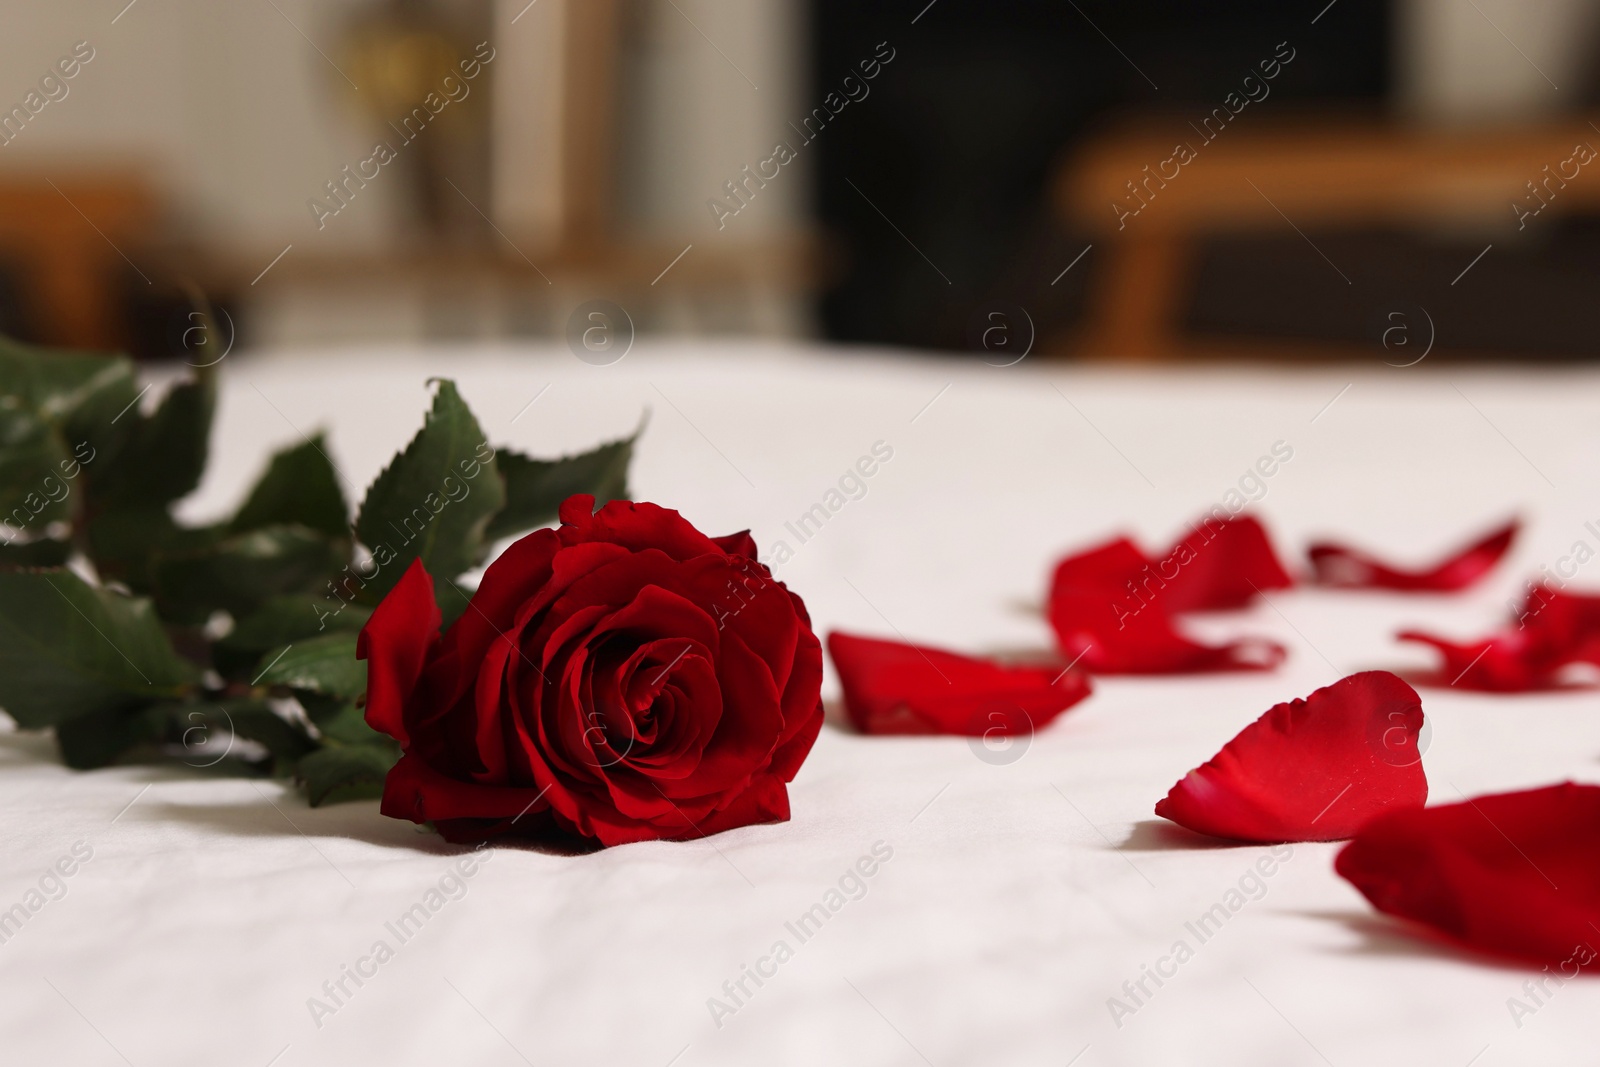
622, 678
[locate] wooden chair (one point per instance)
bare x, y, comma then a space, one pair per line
1146, 223
70, 237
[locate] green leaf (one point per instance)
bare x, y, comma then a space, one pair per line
324, 664
535, 488
33, 490
282, 621
54, 383
434, 500
103, 418
41, 553
164, 455
243, 572
82, 396
286, 619
98, 738
124, 544
138, 467
253, 720
299, 488
345, 772
68, 649
193, 724
340, 722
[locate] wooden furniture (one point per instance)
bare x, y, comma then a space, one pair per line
557, 235
589, 128
70, 238
572, 119
1145, 213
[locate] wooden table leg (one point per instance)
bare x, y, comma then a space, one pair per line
1136, 303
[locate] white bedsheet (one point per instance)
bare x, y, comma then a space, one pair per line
1020, 895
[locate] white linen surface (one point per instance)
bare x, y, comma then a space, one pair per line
1021, 894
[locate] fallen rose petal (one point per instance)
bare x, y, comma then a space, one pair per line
895, 688
1313, 769
1512, 873
1222, 564
1109, 625
1552, 632
1350, 568
1501, 664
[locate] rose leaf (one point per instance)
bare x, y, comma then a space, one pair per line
434, 500
325, 664
243, 572
345, 772
69, 649
535, 488
299, 487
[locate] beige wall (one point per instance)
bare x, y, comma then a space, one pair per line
1473, 61
230, 108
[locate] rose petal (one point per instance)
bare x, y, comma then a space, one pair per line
1553, 631
635, 526
1350, 568
1312, 769
1102, 624
1222, 564
1513, 873
764, 801
1501, 664
417, 792
737, 544
490, 613
772, 622
895, 688
801, 703
395, 643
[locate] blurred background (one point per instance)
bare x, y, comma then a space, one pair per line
1085, 178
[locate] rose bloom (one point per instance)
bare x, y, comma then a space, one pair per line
621, 678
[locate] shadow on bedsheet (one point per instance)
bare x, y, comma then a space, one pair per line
1159, 835
1381, 935
256, 806
279, 810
